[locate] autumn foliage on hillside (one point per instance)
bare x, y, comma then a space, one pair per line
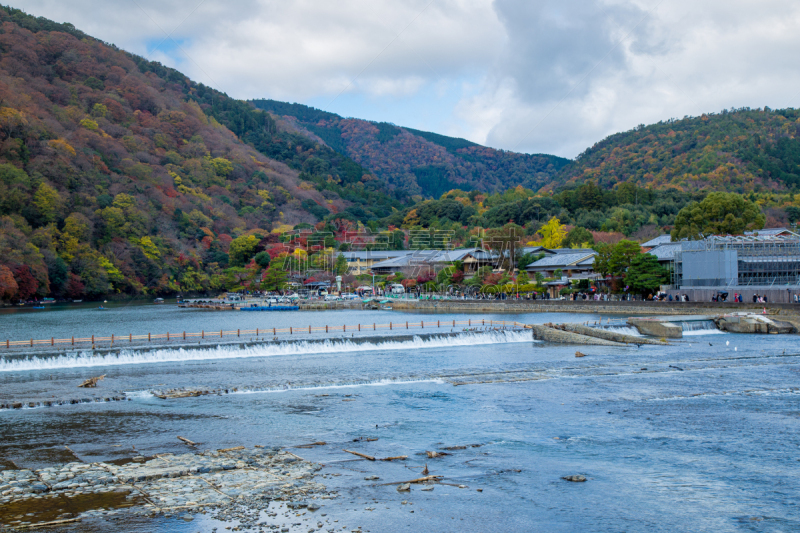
740, 151
118, 178
421, 162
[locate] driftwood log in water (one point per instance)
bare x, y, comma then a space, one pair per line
91, 382
187, 441
169, 395
367, 457
396, 458
425, 479
48, 524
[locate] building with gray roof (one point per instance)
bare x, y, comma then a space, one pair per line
418, 261
771, 232
658, 241
576, 264
359, 262
745, 264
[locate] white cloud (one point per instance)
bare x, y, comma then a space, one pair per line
622, 63
301, 49
549, 76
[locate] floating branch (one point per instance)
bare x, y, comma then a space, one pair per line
367, 457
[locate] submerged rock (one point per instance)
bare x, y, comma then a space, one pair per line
405, 487
296, 505
575, 479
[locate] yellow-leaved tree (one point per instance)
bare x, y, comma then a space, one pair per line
552, 234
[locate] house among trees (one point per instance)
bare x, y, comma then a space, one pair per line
577, 263
665, 253
771, 232
418, 261
658, 241
361, 262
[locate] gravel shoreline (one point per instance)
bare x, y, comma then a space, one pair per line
235, 486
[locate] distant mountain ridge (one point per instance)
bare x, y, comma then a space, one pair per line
420, 162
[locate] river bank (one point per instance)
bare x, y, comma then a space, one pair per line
633, 308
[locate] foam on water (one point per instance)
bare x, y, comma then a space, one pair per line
699, 327
625, 330
379, 383
166, 355
703, 332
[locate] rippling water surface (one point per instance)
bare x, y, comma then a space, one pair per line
698, 436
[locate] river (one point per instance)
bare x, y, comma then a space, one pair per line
700, 435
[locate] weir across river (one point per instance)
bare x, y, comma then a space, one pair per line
210, 335
569, 333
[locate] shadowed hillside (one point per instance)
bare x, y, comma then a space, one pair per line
420, 162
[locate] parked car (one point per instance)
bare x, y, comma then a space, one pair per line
398, 289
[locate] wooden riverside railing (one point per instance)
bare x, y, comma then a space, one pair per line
261, 331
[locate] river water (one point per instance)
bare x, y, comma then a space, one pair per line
701, 435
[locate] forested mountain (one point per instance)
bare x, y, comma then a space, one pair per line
118, 174
420, 162
739, 150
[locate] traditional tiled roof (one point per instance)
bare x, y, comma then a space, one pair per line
417, 257
661, 239
666, 252
375, 255
771, 232
534, 250
571, 250
584, 258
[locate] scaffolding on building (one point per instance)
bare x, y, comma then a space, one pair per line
763, 261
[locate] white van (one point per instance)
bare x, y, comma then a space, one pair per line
398, 289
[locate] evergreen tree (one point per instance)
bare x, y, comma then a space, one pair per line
645, 274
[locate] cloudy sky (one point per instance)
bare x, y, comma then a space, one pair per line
538, 76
